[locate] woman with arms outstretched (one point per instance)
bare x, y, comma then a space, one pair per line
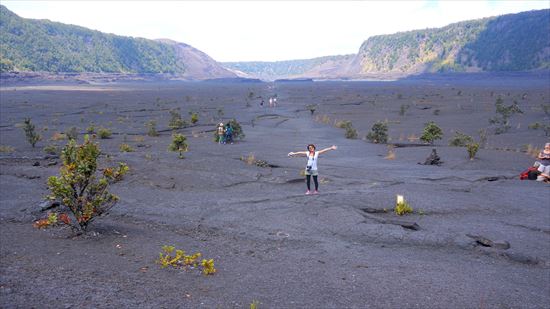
311, 167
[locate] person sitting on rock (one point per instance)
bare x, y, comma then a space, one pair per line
544, 163
311, 167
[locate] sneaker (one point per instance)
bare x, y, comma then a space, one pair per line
307, 192
315, 192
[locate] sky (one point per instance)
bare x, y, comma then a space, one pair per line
265, 30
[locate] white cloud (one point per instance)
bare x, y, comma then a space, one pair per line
265, 30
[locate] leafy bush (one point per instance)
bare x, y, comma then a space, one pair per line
237, 129
194, 118
6, 149
90, 129
311, 108
104, 133
176, 122
472, 150
78, 188
152, 128
182, 261
51, 149
431, 132
72, 133
343, 124
403, 208
378, 133
460, 140
502, 119
179, 144
30, 132
351, 132
125, 148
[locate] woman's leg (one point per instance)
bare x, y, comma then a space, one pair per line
316, 182
308, 181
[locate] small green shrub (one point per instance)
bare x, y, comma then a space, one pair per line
72, 133
343, 124
237, 129
104, 133
179, 144
472, 150
90, 129
6, 149
351, 132
176, 122
152, 128
460, 140
30, 132
403, 208
182, 261
79, 188
431, 133
311, 108
378, 133
125, 148
52, 150
194, 118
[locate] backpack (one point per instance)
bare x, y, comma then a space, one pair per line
531, 173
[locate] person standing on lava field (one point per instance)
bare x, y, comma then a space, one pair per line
311, 167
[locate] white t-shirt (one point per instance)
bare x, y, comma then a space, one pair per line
312, 160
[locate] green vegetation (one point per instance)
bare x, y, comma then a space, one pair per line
238, 132
351, 132
152, 128
402, 208
431, 133
30, 132
125, 148
72, 133
491, 44
104, 133
194, 117
176, 122
42, 45
51, 150
179, 144
460, 140
311, 108
472, 149
378, 133
503, 114
182, 261
78, 188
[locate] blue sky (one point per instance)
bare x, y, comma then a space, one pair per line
265, 30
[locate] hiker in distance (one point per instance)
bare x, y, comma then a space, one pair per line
311, 167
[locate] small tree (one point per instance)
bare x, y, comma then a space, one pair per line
30, 132
378, 133
431, 132
179, 144
472, 149
502, 119
175, 120
237, 129
151, 128
72, 133
403, 109
78, 188
311, 108
194, 117
460, 140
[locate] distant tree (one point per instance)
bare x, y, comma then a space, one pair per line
378, 133
431, 133
179, 144
30, 132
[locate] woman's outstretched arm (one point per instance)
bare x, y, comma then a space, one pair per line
299, 154
327, 149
